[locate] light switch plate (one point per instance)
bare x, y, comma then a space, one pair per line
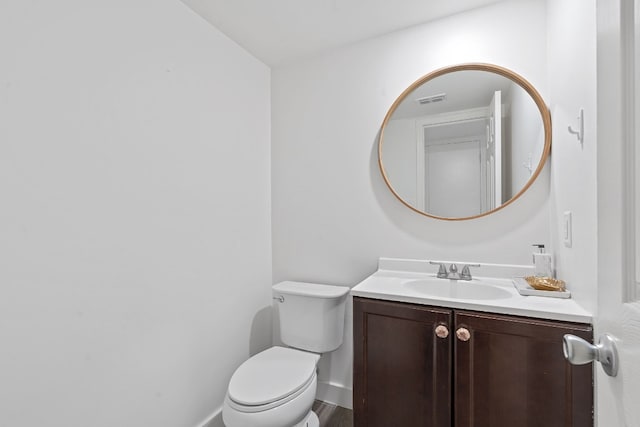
566, 229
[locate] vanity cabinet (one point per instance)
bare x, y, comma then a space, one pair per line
417, 365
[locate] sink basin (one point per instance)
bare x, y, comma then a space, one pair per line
457, 289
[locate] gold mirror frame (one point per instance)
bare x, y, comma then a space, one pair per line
528, 87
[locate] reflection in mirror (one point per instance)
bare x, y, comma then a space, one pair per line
464, 141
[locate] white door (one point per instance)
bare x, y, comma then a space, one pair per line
618, 399
494, 151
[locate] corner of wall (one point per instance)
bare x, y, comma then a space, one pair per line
214, 420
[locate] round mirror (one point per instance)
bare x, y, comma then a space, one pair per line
464, 141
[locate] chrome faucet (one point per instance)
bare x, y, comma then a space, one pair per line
453, 273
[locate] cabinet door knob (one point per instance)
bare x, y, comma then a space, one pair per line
463, 334
442, 331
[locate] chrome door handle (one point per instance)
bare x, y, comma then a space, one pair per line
578, 352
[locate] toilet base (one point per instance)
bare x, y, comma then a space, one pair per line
311, 420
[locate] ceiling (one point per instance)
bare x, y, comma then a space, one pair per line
279, 31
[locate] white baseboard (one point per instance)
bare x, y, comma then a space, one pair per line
214, 420
336, 394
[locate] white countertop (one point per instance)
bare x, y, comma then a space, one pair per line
390, 285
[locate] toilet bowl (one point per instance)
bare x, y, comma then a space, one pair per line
277, 387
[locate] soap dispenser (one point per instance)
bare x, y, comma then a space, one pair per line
542, 262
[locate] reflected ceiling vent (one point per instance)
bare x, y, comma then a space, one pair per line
432, 99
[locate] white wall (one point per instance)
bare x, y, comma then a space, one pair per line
572, 67
333, 216
135, 223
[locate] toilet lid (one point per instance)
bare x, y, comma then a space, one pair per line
311, 289
271, 375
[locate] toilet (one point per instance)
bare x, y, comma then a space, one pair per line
277, 387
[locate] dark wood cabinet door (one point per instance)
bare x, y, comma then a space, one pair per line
402, 369
511, 373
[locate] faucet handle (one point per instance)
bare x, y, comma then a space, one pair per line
466, 273
442, 270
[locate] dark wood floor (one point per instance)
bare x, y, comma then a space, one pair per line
332, 415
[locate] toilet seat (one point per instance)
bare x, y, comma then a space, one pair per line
271, 378
260, 408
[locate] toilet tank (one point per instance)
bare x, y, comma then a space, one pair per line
311, 315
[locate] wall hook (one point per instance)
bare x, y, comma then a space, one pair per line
580, 132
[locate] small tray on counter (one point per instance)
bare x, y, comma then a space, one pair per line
524, 289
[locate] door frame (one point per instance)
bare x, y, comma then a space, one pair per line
618, 189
